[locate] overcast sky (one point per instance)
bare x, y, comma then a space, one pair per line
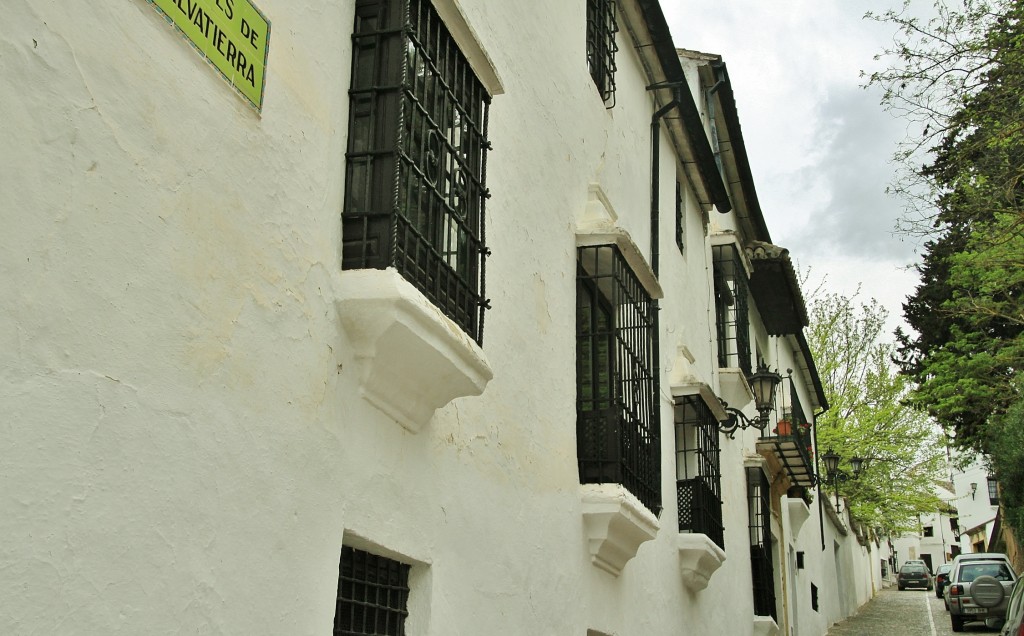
820, 146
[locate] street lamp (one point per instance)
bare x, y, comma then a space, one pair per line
974, 488
762, 384
834, 475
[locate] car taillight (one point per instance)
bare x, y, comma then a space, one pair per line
1020, 630
956, 590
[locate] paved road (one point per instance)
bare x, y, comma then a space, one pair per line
907, 613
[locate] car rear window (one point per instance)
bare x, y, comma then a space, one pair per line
913, 569
971, 571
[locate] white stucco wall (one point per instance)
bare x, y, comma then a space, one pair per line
183, 445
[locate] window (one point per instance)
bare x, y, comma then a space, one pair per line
416, 160
617, 415
814, 594
698, 479
372, 595
761, 565
929, 531
993, 491
731, 317
601, 47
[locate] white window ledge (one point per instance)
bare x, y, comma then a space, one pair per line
699, 558
412, 358
615, 523
765, 626
798, 514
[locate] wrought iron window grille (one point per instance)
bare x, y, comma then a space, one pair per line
601, 47
732, 317
417, 158
617, 415
761, 561
373, 593
698, 474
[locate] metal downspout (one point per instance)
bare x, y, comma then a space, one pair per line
817, 472
655, 174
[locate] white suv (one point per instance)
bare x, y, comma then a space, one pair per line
978, 589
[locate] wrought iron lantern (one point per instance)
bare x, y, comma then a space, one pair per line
762, 384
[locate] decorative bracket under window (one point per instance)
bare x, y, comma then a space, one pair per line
699, 558
615, 523
413, 359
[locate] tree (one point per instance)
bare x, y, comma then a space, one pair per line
963, 73
869, 417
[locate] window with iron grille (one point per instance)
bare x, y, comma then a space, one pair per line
698, 478
617, 419
731, 316
416, 159
761, 562
601, 47
373, 592
993, 491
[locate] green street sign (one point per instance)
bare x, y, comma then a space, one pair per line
233, 35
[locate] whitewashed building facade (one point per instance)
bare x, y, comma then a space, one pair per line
442, 339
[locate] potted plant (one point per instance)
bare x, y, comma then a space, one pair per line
784, 427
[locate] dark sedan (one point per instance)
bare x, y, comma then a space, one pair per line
942, 578
914, 575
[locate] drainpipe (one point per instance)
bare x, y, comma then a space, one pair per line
817, 470
656, 166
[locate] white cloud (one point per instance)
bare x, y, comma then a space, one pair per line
819, 145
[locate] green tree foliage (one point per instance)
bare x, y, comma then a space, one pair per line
869, 417
963, 73
1006, 441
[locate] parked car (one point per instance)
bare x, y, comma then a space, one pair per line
942, 578
970, 556
1014, 625
914, 575
979, 590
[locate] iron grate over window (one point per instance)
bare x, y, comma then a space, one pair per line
417, 157
372, 595
698, 476
761, 562
601, 47
732, 318
617, 416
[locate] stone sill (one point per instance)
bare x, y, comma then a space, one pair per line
412, 358
699, 558
615, 524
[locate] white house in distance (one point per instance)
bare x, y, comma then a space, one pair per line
977, 503
461, 318
937, 539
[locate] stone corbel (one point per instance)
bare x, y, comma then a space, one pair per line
699, 558
412, 358
798, 514
615, 523
765, 626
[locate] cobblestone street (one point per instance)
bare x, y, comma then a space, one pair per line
907, 613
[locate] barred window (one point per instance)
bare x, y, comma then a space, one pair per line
372, 595
416, 159
617, 419
698, 478
601, 47
731, 314
761, 562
